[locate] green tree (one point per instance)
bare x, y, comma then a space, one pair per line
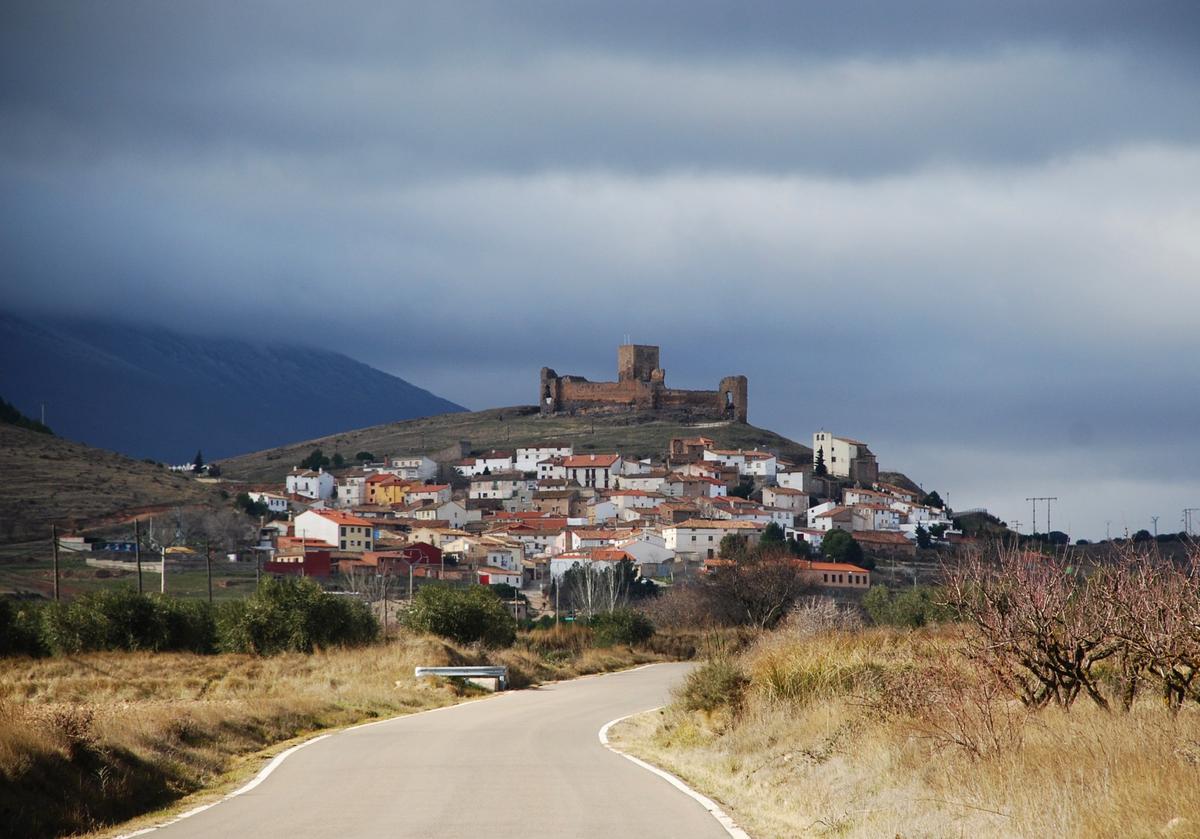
819, 468
338, 460
773, 535
799, 547
621, 626
744, 488
315, 460
468, 616
364, 457
840, 546
924, 540
938, 531
198, 460
932, 499
251, 507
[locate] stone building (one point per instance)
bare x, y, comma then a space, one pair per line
641, 385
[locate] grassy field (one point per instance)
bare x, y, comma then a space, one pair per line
92, 740
882, 733
505, 428
26, 568
51, 480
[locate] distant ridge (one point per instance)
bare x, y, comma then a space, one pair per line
153, 393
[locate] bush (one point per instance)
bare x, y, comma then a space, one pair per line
190, 626
910, 607
468, 616
621, 626
20, 629
293, 616
116, 619
718, 683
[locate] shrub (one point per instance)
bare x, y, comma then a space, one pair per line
468, 616
909, 607
293, 615
115, 619
190, 626
20, 629
718, 683
621, 626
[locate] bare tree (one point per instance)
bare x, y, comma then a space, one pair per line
756, 587
1041, 625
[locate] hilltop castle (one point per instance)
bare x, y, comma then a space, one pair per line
641, 385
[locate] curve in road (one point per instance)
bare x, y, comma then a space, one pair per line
521, 764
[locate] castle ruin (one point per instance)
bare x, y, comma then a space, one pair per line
641, 385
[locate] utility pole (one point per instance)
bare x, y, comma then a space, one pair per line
208, 568
137, 552
54, 547
163, 584
1155, 520
1187, 519
1035, 499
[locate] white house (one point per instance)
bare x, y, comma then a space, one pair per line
316, 485
845, 458
439, 493
497, 485
493, 576
786, 498
593, 470
351, 490
414, 467
751, 462
601, 510
528, 457
650, 482
875, 517
493, 461
342, 530
800, 479
275, 503
703, 536
551, 469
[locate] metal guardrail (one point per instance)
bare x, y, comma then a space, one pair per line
499, 673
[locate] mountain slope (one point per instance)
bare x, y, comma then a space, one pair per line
150, 392
51, 480
633, 435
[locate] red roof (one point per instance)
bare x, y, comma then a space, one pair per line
585, 461
342, 518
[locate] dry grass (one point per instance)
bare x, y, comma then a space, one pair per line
95, 739
880, 733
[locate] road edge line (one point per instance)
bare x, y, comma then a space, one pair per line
714, 809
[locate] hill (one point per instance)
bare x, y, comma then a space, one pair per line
51, 480
150, 392
506, 428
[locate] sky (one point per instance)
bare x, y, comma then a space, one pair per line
967, 233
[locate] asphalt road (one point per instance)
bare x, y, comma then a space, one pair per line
521, 764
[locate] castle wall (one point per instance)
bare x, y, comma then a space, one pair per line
641, 387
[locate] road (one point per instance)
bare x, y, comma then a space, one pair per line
521, 764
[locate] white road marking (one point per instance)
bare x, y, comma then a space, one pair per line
707, 803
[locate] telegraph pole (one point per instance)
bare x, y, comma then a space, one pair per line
162, 589
208, 568
1187, 519
137, 552
1034, 500
54, 547
1155, 520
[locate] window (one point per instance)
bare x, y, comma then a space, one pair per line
343, 544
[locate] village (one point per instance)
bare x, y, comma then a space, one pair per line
523, 518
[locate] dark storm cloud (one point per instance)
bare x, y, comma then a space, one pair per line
963, 231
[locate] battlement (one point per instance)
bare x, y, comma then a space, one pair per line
641, 386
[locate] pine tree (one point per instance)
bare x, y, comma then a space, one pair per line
819, 464
198, 463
